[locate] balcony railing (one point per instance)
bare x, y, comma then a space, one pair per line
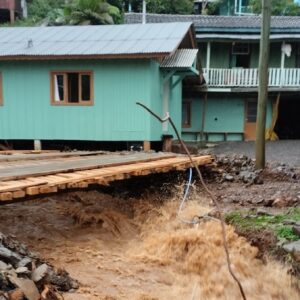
239, 77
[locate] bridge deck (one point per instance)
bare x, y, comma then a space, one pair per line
31, 176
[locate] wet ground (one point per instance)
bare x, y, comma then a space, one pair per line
136, 248
287, 152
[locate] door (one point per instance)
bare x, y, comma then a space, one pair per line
250, 119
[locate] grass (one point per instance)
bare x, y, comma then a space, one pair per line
275, 223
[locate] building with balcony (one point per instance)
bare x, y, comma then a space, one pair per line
224, 107
10, 10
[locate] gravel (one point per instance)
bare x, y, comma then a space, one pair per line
286, 152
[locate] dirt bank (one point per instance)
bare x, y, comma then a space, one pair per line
124, 248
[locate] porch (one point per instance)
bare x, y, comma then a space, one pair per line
239, 77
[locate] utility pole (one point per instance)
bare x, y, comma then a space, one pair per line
260, 145
24, 9
144, 12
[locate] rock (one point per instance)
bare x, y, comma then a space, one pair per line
39, 273
280, 202
258, 201
296, 230
247, 176
63, 281
22, 270
288, 222
4, 283
258, 180
263, 212
228, 177
294, 249
9, 256
24, 262
297, 223
268, 202
27, 286
4, 266
16, 294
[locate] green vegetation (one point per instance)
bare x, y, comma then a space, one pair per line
279, 7
163, 6
260, 222
72, 12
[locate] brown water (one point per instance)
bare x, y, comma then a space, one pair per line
137, 249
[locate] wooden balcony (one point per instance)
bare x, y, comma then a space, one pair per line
238, 77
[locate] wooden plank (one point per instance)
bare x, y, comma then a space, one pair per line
32, 190
65, 166
53, 183
48, 189
21, 184
6, 196
21, 155
18, 194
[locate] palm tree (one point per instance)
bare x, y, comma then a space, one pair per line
91, 12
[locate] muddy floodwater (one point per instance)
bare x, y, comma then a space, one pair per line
138, 249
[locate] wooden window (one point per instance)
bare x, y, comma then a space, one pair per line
72, 88
186, 114
240, 49
1, 89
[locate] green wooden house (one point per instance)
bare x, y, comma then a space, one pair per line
82, 83
225, 106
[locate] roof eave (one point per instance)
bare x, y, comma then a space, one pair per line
102, 56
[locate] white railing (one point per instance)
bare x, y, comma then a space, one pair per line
240, 77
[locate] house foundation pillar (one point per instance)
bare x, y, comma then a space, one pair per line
167, 143
37, 145
12, 16
147, 145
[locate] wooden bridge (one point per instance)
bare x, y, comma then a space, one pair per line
23, 175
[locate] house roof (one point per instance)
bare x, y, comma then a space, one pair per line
181, 59
220, 23
148, 40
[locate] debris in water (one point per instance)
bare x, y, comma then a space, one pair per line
24, 274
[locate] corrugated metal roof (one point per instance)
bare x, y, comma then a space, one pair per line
181, 59
203, 21
246, 37
92, 40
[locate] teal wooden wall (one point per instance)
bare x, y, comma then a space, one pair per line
28, 114
224, 113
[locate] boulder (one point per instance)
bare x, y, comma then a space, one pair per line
9, 256
39, 273
27, 286
22, 270
25, 262
294, 249
4, 266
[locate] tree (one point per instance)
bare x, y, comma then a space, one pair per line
72, 12
278, 7
163, 6
39, 9
91, 12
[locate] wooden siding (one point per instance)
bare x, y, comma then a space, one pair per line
223, 115
28, 114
